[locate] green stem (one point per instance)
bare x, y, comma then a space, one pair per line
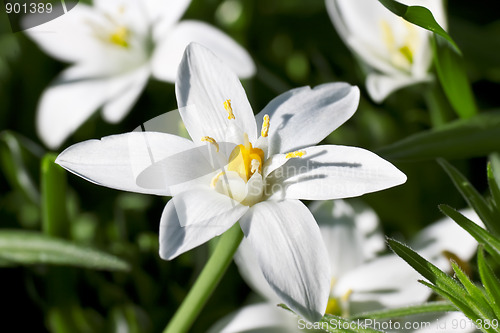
207, 281
439, 109
60, 280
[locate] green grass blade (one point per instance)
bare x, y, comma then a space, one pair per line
426, 269
430, 307
490, 281
29, 248
494, 178
491, 244
477, 136
472, 196
450, 67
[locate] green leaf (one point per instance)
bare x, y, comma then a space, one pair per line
420, 16
460, 301
29, 248
491, 244
427, 269
477, 136
490, 281
431, 307
494, 178
472, 196
450, 67
14, 169
477, 295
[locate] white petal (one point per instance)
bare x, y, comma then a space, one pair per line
380, 86
385, 282
168, 52
446, 235
303, 117
351, 233
203, 206
120, 104
261, 317
169, 122
291, 254
334, 172
249, 268
165, 14
203, 85
66, 104
115, 161
69, 37
176, 239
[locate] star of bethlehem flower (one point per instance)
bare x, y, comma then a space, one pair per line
231, 172
395, 52
362, 279
114, 47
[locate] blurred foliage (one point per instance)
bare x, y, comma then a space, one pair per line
293, 44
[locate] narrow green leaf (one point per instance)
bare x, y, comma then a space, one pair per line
491, 244
426, 269
29, 248
460, 301
54, 215
450, 67
490, 282
431, 307
420, 16
494, 178
477, 136
472, 196
14, 168
476, 294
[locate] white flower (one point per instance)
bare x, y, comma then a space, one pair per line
396, 52
229, 173
362, 280
115, 46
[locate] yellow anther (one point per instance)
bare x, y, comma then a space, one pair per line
120, 36
229, 109
212, 141
294, 154
333, 307
265, 126
214, 181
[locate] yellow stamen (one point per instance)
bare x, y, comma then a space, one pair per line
346, 296
216, 179
246, 160
294, 154
407, 53
212, 141
265, 126
229, 109
387, 35
120, 36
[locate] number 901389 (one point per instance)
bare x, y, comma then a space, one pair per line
28, 8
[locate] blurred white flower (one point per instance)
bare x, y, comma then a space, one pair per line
396, 52
229, 173
362, 280
115, 46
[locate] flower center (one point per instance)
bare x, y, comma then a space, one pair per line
339, 306
246, 160
120, 36
401, 49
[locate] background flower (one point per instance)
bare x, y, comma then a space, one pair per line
115, 46
395, 52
